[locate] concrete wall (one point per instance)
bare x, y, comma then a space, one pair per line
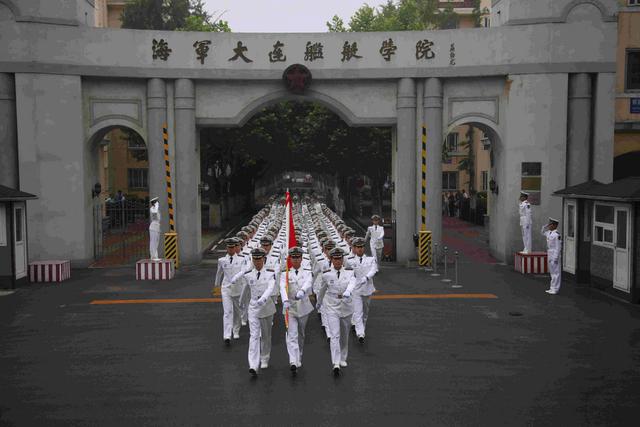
520, 12
535, 131
53, 163
60, 12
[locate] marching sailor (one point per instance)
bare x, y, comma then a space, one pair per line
375, 233
336, 304
259, 284
554, 247
525, 221
364, 268
296, 300
228, 266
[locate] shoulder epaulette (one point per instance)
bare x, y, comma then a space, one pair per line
240, 255
270, 269
348, 268
326, 271
248, 272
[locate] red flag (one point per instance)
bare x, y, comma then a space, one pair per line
291, 233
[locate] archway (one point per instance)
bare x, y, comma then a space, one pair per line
120, 195
299, 143
471, 147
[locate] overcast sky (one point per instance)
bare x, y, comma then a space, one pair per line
284, 16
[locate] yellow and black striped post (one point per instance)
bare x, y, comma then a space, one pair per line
423, 211
171, 248
424, 248
170, 238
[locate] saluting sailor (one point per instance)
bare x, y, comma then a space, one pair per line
154, 229
364, 268
259, 284
554, 249
336, 303
228, 266
296, 300
525, 221
375, 233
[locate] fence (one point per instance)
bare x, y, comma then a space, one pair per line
121, 235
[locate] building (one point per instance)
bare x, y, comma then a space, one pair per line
627, 128
471, 13
108, 13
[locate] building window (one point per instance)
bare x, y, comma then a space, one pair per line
633, 69
3, 225
138, 179
486, 22
485, 180
18, 225
633, 2
531, 181
449, 180
603, 225
452, 142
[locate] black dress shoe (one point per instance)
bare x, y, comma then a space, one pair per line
353, 328
293, 368
361, 339
253, 372
227, 341
328, 339
336, 372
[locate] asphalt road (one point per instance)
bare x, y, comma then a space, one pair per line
521, 357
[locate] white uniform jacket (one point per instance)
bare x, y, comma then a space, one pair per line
228, 267
321, 266
554, 244
331, 290
525, 213
376, 234
297, 282
364, 267
155, 218
259, 287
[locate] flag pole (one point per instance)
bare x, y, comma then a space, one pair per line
286, 274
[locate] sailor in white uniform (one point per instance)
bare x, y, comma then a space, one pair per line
295, 299
525, 221
258, 286
228, 266
364, 267
335, 300
375, 234
154, 229
554, 249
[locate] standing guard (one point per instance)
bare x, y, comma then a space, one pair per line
335, 300
525, 221
259, 284
554, 248
364, 268
296, 300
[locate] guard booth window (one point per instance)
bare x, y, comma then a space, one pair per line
603, 225
3, 226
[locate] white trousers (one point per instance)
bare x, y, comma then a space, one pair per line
556, 275
295, 338
259, 340
526, 237
376, 253
361, 312
231, 315
339, 337
154, 240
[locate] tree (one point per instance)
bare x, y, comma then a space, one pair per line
468, 162
170, 15
336, 25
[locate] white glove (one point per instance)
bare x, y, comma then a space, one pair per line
346, 295
262, 301
286, 304
299, 295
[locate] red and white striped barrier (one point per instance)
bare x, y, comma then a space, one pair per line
147, 269
531, 263
49, 271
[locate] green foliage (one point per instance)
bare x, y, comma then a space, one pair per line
476, 13
403, 15
468, 162
170, 15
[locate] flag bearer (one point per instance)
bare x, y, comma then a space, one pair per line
259, 284
364, 268
336, 303
296, 301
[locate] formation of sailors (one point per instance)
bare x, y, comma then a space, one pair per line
329, 272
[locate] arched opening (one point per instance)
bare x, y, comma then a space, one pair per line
469, 185
120, 190
298, 144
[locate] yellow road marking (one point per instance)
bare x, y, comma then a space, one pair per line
209, 300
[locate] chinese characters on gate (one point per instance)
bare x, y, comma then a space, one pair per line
313, 51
